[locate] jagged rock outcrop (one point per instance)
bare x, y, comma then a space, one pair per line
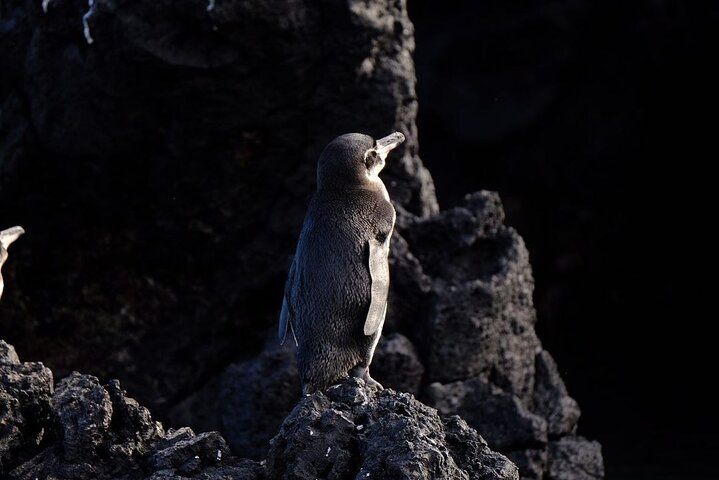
25, 392
550, 398
354, 431
575, 458
483, 357
86, 430
469, 350
505, 420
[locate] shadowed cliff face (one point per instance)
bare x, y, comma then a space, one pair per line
162, 174
164, 170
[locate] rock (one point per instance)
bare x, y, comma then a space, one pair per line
82, 410
351, 430
25, 392
532, 463
11, 434
455, 229
254, 398
551, 399
472, 453
189, 454
575, 458
481, 320
396, 364
8, 353
354, 431
410, 288
476, 333
98, 432
232, 470
130, 420
500, 416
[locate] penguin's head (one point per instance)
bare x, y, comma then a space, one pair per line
354, 160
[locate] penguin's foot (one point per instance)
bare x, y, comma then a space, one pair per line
363, 373
371, 381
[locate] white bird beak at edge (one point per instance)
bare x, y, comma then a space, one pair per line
388, 143
6, 238
10, 235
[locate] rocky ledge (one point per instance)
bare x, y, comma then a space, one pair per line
81, 429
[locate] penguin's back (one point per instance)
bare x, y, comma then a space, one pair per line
330, 291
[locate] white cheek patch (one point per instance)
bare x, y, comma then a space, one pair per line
373, 173
376, 168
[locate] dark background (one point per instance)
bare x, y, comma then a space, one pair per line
587, 117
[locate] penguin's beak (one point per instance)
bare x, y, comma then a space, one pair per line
386, 144
10, 235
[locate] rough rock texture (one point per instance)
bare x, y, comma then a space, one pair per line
502, 418
575, 458
396, 364
82, 409
477, 339
551, 399
8, 353
481, 317
162, 174
352, 430
255, 397
25, 391
531, 462
84, 430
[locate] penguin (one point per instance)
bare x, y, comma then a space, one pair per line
6, 238
335, 297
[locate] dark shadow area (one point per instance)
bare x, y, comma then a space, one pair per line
584, 116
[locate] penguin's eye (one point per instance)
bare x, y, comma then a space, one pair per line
370, 157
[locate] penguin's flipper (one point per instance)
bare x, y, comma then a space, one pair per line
379, 272
285, 319
284, 322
